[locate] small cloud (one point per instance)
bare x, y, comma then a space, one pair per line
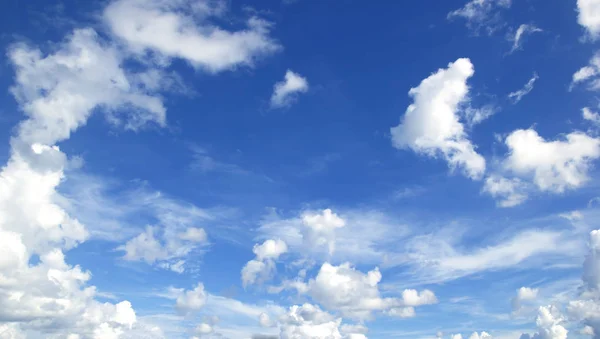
520, 33
516, 96
285, 92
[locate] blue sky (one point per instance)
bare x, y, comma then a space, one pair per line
300, 169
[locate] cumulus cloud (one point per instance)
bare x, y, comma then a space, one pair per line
509, 192
524, 294
356, 295
549, 325
183, 29
58, 92
191, 300
481, 15
431, 124
168, 250
520, 33
590, 116
285, 92
555, 165
261, 269
589, 17
516, 96
308, 321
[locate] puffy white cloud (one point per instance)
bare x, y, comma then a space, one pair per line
523, 30
524, 294
591, 116
167, 250
190, 301
481, 14
270, 249
482, 335
555, 165
309, 321
510, 192
286, 91
549, 324
589, 16
58, 92
182, 29
354, 294
431, 124
321, 227
261, 269
516, 96
204, 328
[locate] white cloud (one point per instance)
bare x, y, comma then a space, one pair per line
588, 74
262, 268
510, 192
309, 321
482, 335
549, 325
523, 30
554, 165
285, 92
190, 301
481, 14
516, 96
182, 29
365, 236
524, 294
590, 116
58, 92
589, 16
354, 294
431, 124
270, 249
168, 250
441, 260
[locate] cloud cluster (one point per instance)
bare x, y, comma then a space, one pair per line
262, 267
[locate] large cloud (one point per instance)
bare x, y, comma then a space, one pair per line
589, 16
58, 92
431, 124
182, 29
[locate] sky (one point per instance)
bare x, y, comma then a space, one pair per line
300, 169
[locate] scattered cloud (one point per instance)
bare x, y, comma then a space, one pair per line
520, 33
481, 15
285, 92
516, 96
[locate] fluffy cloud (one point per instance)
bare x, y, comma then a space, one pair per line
589, 16
516, 96
58, 93
524, 294
354, 294
521, 32
320, 228
481, 14
182, 29
285, 92
555, 165
431, 125
309, 321
510, 192
261, 269
549, 325
190, 301
166, 251
590, 116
